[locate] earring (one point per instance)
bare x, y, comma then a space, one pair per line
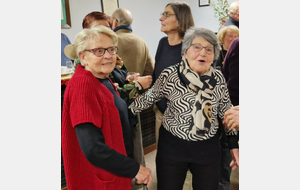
84, 63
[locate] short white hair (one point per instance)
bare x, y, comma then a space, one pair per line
233, 7
87, 34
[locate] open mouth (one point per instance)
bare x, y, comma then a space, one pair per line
202, 61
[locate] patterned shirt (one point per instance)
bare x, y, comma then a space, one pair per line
177, 117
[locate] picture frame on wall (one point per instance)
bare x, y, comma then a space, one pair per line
203, 3
65, 14
109, 6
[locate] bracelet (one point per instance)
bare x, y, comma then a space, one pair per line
139, 85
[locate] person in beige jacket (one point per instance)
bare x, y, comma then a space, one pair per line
132, 49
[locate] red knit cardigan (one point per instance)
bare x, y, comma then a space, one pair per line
86, 100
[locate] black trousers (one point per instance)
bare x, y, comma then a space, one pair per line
171, 174
226, 158
175, 156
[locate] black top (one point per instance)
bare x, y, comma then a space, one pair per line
91, 137
231, 21
166, 55
123, 112
119, 76
218, 64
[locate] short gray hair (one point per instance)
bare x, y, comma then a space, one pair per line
208, 35
87, 34
123, 16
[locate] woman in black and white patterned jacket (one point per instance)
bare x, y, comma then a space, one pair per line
196, 95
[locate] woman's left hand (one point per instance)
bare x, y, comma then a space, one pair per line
235, 158
145, 81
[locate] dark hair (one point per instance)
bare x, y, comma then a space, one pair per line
184, 16
91, 17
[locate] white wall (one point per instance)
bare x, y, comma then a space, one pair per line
146, 16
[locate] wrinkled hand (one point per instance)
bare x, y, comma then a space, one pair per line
235, 158
144, 176
145, 81
119, 62
131, 76
231, 118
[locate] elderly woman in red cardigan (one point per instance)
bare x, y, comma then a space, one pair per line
96, 135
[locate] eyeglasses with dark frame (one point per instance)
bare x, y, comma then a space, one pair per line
166, 14
199, 47
101, 51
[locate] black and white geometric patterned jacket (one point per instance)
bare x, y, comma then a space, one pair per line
177, 117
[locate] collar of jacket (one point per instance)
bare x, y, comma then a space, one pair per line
123, 27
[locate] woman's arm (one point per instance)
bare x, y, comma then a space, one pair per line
153, 95
92, 144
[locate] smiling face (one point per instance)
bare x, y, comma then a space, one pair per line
169, 24
228, 38
100, 67
199, 62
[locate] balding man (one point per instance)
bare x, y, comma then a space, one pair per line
234, 17
132, 49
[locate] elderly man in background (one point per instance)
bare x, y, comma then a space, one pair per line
234, 17
133, 50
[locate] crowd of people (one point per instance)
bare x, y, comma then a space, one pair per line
192, 85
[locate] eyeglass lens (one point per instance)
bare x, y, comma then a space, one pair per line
101, 51
165, 14
198, 48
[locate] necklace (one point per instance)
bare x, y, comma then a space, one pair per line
222, 56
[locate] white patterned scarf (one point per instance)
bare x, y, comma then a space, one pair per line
203, 87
